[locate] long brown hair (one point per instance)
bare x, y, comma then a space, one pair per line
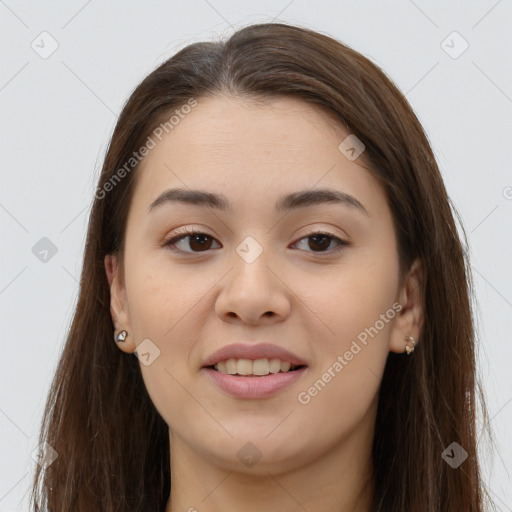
112, 444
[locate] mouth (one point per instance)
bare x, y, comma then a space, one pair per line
253, 371
254, 368
253, 379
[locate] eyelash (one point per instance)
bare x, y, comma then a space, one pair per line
187, 232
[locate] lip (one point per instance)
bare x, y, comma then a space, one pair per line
257, 351
254, 387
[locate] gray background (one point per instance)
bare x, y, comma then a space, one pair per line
57, 114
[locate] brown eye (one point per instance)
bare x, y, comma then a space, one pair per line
198, 242
320, 242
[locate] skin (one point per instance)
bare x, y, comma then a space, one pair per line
314, 456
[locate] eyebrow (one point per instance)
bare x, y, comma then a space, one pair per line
285, 203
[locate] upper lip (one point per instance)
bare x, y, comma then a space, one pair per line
257, 351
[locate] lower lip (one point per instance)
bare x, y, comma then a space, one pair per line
254, 387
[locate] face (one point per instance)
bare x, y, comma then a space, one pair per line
317, 278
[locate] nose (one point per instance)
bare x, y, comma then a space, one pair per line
253, 293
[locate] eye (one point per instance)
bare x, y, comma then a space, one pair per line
321, 240
201, 242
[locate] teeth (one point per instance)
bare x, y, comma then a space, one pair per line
260, 367
231, 366
249, 367
244, 367
274, 365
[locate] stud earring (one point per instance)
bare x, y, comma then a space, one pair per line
121, 336
409, 349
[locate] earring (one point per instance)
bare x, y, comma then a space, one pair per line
121, 336
408, 349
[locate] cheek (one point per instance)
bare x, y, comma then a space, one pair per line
168, 304
337, 404
342, 386
353, 300
162, 297
165, 304
357, 315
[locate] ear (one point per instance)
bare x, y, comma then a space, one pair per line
410, 318
118, 304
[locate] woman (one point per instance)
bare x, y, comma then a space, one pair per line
272, 240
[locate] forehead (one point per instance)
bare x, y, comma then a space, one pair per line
250, 126
248, 148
